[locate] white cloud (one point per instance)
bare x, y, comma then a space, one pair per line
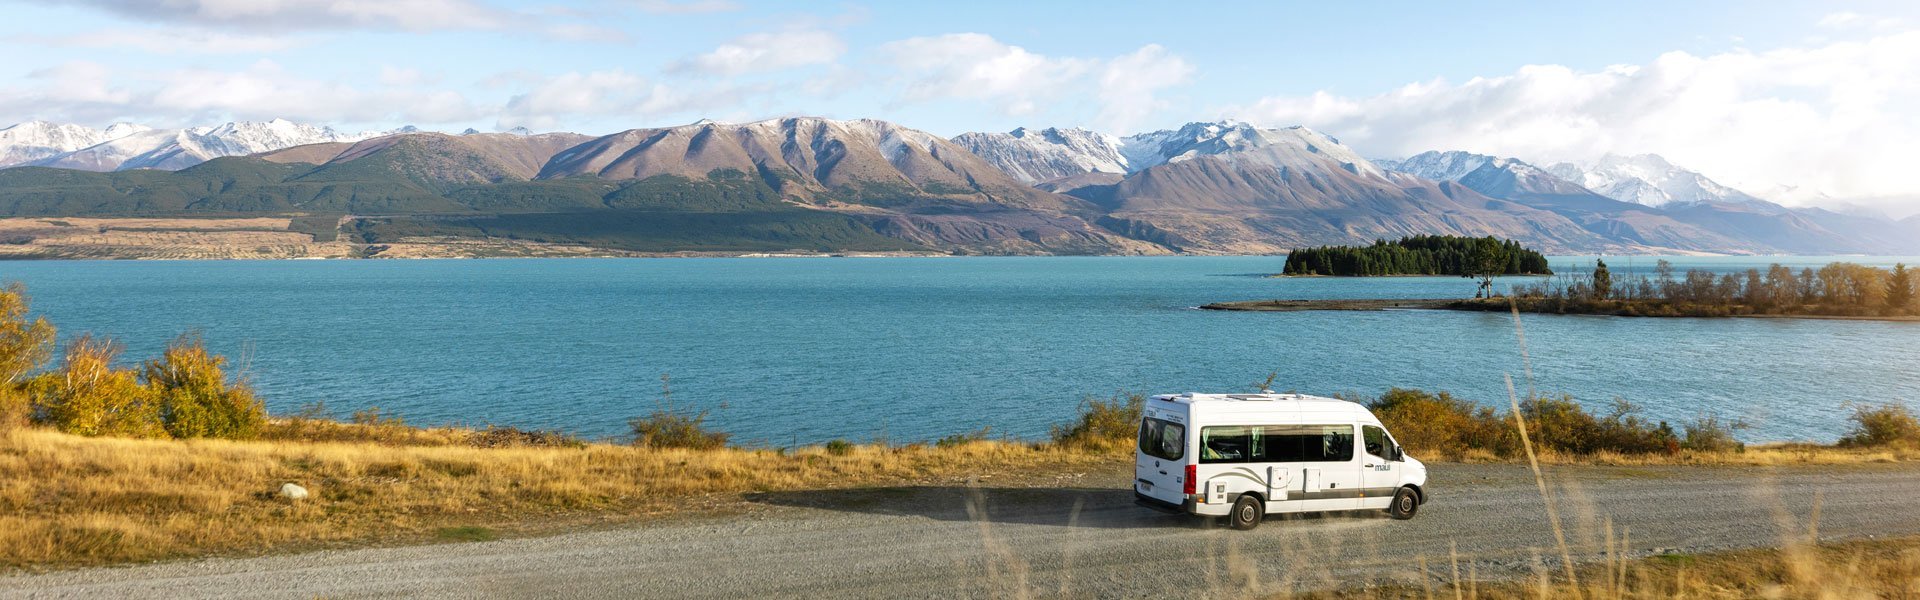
1837, 119
1130, 84
169, 41
576, 94
617, 97
1018, 82
400, 76
582, 32
412, 15
976, 66
685, 7
89, 92
1854, 20
767, 52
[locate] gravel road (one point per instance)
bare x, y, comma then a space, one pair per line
1083, 538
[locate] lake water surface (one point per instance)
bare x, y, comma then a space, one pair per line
787, 351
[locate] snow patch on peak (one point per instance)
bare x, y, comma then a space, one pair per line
1240, 141
1033, 156
139, 147
35, 141
1652, 180
1450, 165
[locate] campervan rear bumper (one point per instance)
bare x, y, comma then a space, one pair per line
1183, 508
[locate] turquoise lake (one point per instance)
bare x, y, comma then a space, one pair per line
803, 350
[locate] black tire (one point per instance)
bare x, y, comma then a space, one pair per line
1247, 513
1406, 504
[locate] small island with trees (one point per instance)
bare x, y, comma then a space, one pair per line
1480, 258
1420, 255
1838, 290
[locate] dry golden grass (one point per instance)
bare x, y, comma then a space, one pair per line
74, 501
1848, 570
1758, 456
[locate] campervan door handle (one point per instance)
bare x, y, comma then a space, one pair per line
1369, 465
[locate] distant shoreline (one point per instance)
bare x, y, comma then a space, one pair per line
1379, 304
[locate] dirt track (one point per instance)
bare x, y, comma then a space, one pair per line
1085, 541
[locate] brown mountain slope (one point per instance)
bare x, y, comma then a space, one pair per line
909, 184
312, 154
1214, 204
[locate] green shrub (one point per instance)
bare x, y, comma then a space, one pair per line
373, 416
962, 439
1103, 424
195, 398
670, 428
1442, 425
839, 447
1710, 434
1884, 425
88, 396
1561, 424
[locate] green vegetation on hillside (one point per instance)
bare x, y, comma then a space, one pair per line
1838, 289
650, 231
1420, 255
727, 211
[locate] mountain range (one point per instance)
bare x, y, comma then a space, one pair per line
834, 185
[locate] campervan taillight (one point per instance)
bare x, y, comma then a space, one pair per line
1190, 487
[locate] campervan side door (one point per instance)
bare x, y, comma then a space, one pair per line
1326, 472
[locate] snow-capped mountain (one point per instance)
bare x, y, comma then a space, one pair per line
1496, 176
1651, 180
1233, 187
170, 149
1506, 177
1239, 142
1035, 156
1438, 166
39, 140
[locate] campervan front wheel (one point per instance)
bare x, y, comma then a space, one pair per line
1247, 513
1405, 504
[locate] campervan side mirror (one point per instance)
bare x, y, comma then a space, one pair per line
1398, 454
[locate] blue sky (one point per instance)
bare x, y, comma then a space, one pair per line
1749, 92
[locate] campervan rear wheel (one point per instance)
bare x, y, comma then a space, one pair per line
1405, 504
1247, 513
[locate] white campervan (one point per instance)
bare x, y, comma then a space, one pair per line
1243, 456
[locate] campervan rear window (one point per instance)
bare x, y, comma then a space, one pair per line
1276, 443
1164, 440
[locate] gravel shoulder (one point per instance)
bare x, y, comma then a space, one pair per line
1080, 538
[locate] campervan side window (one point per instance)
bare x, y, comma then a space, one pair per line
1164, 440
1276, 443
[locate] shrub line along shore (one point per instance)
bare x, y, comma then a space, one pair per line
1839, 290
1506, 304
107, 465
